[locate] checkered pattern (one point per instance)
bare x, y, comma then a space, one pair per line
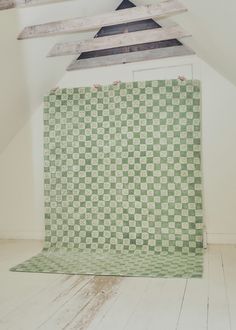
114, 263
122, 169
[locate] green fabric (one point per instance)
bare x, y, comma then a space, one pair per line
122, 181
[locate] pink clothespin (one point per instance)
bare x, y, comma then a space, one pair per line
182, 78
96, 86
116, 82
54, 89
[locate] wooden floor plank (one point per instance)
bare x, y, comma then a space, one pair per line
168, 303
69, 311
109, 305
19, 288
228, 254
194, 311
141, 316
52, 301
83, 320
131, 293
45, 304
218, 309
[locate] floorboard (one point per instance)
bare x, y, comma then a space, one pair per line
169, 302
130, 295
218, 311
53, 301
228, 254
194, 311
141, 315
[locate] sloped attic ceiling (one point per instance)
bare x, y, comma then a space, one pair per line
212, 25
26, 73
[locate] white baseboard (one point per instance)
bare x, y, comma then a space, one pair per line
21, 235
217, 238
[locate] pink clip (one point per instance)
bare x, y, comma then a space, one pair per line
182, 78
96, 86
116, 82
54, 89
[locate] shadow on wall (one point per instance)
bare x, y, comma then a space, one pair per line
20, 205
13, 91
21, 183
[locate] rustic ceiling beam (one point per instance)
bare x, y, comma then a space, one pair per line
9, 4
80, 24
119, 40
146, 55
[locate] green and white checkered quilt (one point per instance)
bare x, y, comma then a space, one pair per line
122, 181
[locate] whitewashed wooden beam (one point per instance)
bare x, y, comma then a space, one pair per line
9, 4
146, 55
119, 40
95, 22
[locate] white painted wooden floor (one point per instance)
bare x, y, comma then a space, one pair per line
48, 301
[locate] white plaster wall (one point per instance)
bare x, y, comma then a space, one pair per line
21, 182
21, 163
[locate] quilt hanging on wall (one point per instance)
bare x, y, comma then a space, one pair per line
122, 181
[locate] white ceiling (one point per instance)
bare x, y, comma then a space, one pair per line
26, 74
